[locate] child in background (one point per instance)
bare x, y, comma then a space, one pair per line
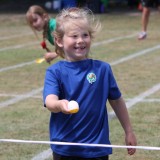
89, 82
146, 4
39, 20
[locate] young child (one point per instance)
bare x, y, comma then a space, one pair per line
89, 82
39, 20
147, 4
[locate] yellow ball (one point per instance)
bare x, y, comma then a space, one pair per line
73, 106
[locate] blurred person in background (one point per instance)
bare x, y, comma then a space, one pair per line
39, 21
146, 4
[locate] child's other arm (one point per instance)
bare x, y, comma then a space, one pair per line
120, 109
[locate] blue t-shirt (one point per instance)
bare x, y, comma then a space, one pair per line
90, 83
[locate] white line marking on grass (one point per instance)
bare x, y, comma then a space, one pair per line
43, 155
134, 55
20, 98
16, 95
15, 36
94, 45
18, 46
138, 98
112, 63
40, 97
147, 100
16, 66
149, 50
112, 40
28, 63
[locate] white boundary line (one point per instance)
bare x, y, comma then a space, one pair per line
134, 55
113, 40
27, 63
18, 46
43, 155
78, 144
40, 97
15, 36
138, 99
20, 95
146, 100
94, 45
148, 50
16, 66
20, 98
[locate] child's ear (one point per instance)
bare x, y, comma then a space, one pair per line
45, 17
59, 42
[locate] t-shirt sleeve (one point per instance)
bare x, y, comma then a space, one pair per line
50, 84
114, 91
52, 26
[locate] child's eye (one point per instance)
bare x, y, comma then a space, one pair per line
75, 36
72, 36
86, 35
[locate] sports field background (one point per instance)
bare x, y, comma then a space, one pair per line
136, 65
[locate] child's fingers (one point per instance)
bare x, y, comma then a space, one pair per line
131, 151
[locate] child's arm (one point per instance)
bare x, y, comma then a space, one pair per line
55, 105
49, 56
120, 109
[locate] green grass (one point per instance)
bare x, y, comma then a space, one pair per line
28, 119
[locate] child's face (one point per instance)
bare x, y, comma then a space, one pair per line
38, 22
76, 43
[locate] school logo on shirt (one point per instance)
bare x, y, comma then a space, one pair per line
91, 77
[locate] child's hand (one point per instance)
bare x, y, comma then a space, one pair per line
68, 107
131, 141
49, 56
63, 104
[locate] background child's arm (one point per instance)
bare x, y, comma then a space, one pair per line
120, 109
49, 56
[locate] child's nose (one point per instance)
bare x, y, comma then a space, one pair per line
80, 39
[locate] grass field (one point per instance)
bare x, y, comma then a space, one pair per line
136, 65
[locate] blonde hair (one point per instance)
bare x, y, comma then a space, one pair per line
35, 9
83, 18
